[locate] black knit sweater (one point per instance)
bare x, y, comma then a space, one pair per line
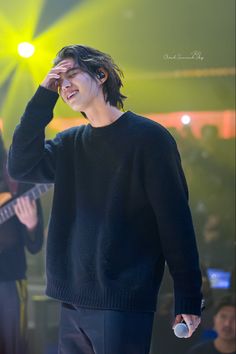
120, 210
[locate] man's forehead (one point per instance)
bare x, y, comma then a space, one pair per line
69, 71
227, 309
67, 61
75, 67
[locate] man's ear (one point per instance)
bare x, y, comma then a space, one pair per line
101, 75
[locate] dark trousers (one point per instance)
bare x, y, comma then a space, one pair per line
90, 331
13, 321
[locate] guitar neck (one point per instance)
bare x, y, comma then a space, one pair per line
7, 211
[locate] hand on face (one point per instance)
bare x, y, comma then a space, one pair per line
26, 211
51, 81
76, 87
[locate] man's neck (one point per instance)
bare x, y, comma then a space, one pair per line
225, 346
103, 115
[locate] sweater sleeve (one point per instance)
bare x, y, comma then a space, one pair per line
30, 157
168, 194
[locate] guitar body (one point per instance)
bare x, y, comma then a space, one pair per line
4, 197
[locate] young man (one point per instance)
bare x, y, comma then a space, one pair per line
24, 230
224, 325
120, 209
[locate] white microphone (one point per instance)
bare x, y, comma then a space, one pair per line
181, 330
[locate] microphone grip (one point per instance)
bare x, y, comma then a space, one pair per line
181, 330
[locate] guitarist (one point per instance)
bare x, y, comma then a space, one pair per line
25, 230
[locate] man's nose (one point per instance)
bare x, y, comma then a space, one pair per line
228, 322
65, 84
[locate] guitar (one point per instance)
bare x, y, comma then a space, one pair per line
7, 210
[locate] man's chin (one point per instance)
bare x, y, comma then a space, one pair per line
75, 107
227, 336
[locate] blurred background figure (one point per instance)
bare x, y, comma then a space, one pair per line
215, 245
224, 327
20, 231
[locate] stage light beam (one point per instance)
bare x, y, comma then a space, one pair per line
26, 49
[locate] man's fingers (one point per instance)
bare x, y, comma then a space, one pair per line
25, 205
58, 69
53, 76
51, 80
191, 321
21, 206
16, 208
178, 319
62, 66
191, 329
65, 62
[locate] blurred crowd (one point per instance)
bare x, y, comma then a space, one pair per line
209, 166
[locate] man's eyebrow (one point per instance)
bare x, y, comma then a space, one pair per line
71, 69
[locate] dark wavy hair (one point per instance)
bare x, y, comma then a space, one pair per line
227, 300
90, 60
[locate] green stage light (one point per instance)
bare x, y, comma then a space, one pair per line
26, 49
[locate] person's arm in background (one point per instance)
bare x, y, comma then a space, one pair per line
30, 215
168, 194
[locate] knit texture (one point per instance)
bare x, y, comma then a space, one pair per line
120, 210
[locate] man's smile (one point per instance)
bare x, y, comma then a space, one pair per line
72, 94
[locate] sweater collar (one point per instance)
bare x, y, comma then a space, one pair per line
110, 127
